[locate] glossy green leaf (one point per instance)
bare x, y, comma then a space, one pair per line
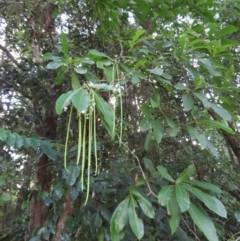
221, 111
226, 30
218, 125
122, 216
64, 100
95, 52
164, 195
54, 64
146, 206
147, 141
107, 114
64, 43
212, 149
203, 222
187, 101
61, 75
174, 211
80, 70
203, 99
210, 201
145, 124
180, 86
205, 185
81, 100
116, 236
71, 174
164, 173
186, 173
173, 126
237, 216
110, 73
157, 71
158, 130
182, 197
75, 81
136, 223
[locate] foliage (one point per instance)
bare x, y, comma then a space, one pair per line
119, 120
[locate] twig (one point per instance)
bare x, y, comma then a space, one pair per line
196, 237
10, 56
143, 174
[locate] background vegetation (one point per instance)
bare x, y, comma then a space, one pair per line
119, 120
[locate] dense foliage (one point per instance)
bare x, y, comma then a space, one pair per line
119, 120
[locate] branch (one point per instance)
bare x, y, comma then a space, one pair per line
143, 174
10, 56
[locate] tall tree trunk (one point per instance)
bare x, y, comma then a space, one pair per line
44, 176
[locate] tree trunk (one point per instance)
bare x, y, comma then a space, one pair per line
44, 176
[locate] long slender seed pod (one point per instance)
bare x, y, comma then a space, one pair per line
121, 107
79, 138
89, 154
95, 135
83, 148
67, 137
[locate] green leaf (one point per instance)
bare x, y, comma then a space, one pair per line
64, 43
157, 71
205, 185
197, 136
147, 141
107, 114
122, 216
75, 81
164, 173
203, 99
116, 236
5, 197
136, 223
227, 30
80, 70
203, 221
158, 130
210, 201
198, 81
180, 86
145, 124
211, 148
81, 100
237, 216
71, 174
54, 64
217, 124
220, 111
187, 101
164, 195
146, 206
58, 190
64, 100
148, 164
95, 52
110, 73
174, 211
61, 75
49, 151
174, 127
186, 173
182, 197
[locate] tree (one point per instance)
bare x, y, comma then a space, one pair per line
119, 120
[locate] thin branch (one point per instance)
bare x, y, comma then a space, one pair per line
143, 174
10, 56
196, 237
